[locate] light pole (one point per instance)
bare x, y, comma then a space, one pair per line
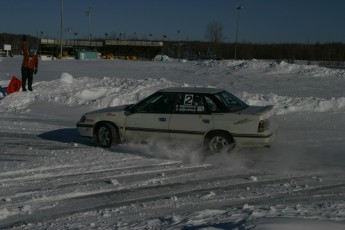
238, 8
75, 37
88, 13
68, 30
61, 29
150, 37
40, 50
179, 43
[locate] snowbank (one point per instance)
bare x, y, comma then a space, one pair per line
85, 91
112, 91
272, 67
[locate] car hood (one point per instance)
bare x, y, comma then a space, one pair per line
256, 110
110, 109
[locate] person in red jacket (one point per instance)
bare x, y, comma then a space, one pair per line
29, 65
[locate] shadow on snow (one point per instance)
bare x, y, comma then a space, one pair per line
66, 135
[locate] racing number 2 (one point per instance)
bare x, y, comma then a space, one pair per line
188, 99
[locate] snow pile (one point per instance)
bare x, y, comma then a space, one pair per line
85, 91
272, 67
112, 91
306, 70
284, 104
234, 64
66, 78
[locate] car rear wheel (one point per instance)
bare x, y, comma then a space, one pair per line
219, 142
107, 135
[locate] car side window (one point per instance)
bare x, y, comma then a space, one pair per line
213, 106
159, 103
190, 104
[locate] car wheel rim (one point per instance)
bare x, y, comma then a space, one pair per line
219, 144
104, 136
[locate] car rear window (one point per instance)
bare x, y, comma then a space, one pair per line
233, 103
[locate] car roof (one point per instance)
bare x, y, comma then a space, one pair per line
191, 90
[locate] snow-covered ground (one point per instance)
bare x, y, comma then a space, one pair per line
50, 178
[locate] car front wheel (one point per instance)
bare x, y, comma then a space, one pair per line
107, 135
219, 142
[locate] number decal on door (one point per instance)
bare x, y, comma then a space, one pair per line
188, 99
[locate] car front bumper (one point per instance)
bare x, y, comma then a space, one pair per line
85, 130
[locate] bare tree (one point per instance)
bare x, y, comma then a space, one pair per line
214, 32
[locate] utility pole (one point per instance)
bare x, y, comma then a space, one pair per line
179, 45
61, 29
239, 7
89, 13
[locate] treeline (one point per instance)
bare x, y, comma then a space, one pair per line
333, 52
15, 40
328, 52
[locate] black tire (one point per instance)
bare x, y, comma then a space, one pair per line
219, 142
107, 135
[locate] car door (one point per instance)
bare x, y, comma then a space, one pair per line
191, 118
150, 118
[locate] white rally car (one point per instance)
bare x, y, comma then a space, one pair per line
214, 118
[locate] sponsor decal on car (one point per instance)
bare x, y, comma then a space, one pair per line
110, 114
241, 122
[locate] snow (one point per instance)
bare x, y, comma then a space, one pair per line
52, 179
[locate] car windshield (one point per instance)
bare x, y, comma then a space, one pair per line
230, 101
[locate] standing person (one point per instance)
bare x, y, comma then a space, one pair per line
29, 65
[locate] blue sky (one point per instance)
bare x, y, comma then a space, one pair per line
261, 21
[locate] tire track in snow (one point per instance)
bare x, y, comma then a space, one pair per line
63, 187
100, 176
78, 169
192, 191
